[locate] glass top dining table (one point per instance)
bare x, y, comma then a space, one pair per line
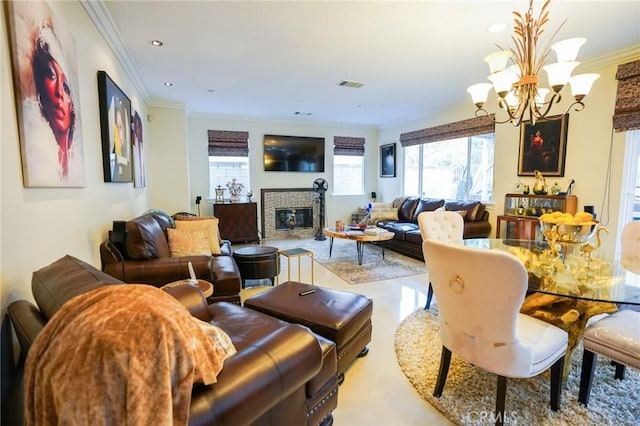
572, 272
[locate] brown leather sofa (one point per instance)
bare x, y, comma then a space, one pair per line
144, 257
408, 240
282, 374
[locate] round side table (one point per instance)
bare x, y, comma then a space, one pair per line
257, 262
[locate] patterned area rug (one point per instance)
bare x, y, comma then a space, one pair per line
469, 393
344, 261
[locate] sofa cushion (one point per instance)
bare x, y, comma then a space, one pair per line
398, 228
188, 242
405, 212
379, 214
210, 224
413, 237
474, 209
426, 205
64, 279
145, 239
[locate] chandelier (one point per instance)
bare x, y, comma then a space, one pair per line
518, 85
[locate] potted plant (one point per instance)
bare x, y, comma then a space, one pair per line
235, 189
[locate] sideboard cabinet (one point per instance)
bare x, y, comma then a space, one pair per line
238, 221
521, 213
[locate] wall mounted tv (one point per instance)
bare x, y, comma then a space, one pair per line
293, 154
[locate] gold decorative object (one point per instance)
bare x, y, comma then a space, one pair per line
517, 86
219, 194
540, 187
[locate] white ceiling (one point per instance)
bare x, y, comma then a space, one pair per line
272, 59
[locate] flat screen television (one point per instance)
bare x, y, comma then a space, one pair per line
293, 154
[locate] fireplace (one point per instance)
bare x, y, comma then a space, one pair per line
302, 218
277, 205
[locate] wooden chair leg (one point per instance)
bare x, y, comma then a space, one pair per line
500, 397
429, 297
445, 360
588, 366
557, 370
620, 368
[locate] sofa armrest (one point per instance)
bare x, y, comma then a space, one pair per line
258, 377
160, 271
27, 322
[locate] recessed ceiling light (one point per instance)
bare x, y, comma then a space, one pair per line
496, 28
210, 90
156, 43
302, 113
347, 83
168, 84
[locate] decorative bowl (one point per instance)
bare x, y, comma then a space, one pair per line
570, 233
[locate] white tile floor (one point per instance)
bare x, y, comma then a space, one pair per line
375, 392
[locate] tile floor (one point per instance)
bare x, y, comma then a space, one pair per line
375, 392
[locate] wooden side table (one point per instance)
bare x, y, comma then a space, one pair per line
295, 252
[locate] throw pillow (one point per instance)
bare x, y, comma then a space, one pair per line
382, 214
210, 224
188, 242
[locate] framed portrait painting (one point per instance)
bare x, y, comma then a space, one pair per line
137, 142
45, 75
543, 147
388, 160
115, 130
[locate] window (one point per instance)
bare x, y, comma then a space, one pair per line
453, 161
223, 169
228, 159
348, 162
347, 175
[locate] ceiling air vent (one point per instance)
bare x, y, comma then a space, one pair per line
354, 84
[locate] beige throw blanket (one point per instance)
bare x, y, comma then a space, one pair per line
119, 355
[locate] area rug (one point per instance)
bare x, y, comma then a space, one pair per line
469, 393
344, 261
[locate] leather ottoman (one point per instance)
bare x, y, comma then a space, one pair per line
257, 262
343, 317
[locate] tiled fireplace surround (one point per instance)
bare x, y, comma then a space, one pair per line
287, 198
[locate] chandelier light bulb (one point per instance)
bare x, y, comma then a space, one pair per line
512, 100
581, 85
498, 60
503, 82
567, 50
479, 93
559, 74
541, 96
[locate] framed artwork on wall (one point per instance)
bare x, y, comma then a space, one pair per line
45, 71
115, 130
543, 147
388, 160
138, 151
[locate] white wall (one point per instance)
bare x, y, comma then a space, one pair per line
40, 225
337, 207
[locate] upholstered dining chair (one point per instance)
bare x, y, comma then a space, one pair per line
617, 336
479, 294
630, 247
440, 225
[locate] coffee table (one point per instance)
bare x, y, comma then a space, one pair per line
359, 237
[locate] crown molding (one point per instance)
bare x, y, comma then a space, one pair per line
108, 29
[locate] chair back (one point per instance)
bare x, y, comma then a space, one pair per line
441, 225
631, 247
479, 295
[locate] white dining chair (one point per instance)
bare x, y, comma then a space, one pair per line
440, 225
616, 336
630, 247
479, 294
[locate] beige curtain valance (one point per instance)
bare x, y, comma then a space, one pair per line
226, 143
459, 129
626, 115
343, 145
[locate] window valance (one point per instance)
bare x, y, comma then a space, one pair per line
226, 143
459, 129
343, 145
626, 115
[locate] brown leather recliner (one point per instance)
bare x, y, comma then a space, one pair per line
282, 374
144, 257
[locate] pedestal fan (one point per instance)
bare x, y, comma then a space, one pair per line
320, 186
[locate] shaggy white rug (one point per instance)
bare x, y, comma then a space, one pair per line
344, 261
469, 393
